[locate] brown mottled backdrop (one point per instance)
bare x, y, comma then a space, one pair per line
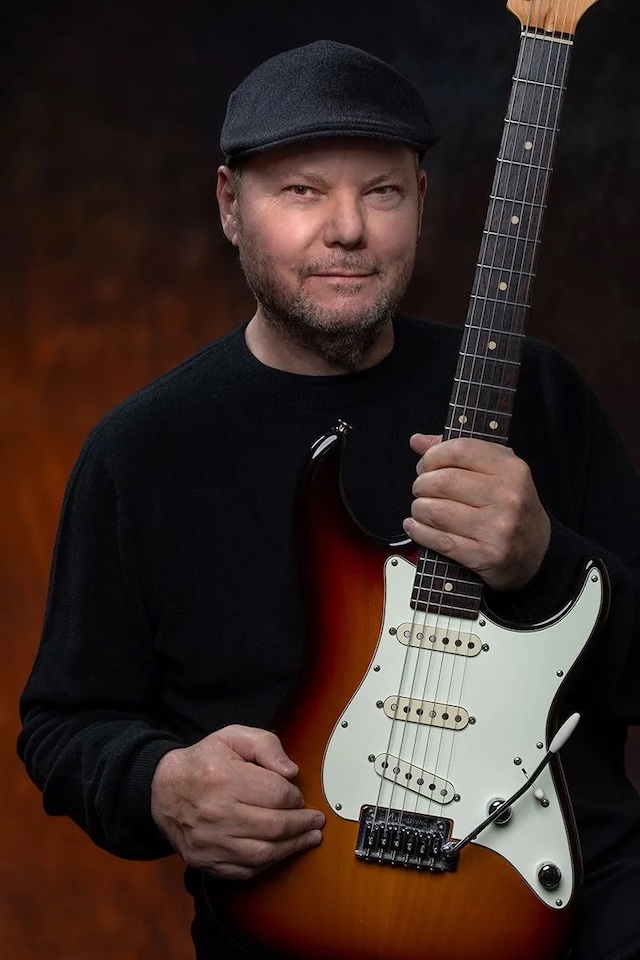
113, 268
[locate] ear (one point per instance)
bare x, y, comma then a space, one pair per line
422, 191
227, 202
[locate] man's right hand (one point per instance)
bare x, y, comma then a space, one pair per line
228, 806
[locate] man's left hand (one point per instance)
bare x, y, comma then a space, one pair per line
476, 503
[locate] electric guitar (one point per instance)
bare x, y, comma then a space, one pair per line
423, 728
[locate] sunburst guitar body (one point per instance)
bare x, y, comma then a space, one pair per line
361, 742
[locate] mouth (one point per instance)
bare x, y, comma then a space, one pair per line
339, 275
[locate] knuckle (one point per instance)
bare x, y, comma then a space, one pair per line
445, 543
262, 855
458, 446
447, 482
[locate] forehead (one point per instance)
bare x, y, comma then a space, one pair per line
333, 156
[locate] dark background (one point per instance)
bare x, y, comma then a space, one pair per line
113, 268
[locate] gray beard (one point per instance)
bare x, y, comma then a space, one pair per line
301, 322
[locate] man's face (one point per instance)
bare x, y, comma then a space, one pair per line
327, 234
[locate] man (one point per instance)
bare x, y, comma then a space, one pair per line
173, 627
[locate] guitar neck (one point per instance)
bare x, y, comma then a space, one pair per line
489, 361
486, 377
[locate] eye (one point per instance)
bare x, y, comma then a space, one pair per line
300, 190
385, 190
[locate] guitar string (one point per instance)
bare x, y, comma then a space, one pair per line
453, 663
542, 173
436, 697
535, 69
449, 698
473, 388
476, 383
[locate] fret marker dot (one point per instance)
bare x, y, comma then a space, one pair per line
493, 424
462, 418
448, 586
492, 345
502, 285
515, 219
528, 145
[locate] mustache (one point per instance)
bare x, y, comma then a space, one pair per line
351, 265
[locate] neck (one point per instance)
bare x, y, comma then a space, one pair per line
272, 347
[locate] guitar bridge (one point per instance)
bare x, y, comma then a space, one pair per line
404, 839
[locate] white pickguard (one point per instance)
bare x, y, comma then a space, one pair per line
507, 691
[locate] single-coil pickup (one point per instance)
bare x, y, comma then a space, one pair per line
439, 638
414, 778
428, 712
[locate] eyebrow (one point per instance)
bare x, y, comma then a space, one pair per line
316, 180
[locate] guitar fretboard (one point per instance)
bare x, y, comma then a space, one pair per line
486, 377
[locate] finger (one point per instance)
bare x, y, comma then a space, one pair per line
453, 485
457, 519
454, 546
421, 442
258, 787
467, 453
256, 823
250, 857
259, 746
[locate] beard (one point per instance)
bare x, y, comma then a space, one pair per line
345, 340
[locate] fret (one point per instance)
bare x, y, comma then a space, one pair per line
539, 83
514, 200
510, 273
529, 166
472, 409
510, 236
508, 303
531, 126
492, 435
480, 383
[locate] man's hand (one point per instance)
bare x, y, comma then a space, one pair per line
476, 503
227, 804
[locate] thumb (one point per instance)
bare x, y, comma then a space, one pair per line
421, 442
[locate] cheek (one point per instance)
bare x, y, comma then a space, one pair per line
394, 242
282, 239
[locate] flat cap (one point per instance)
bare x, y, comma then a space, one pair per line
324, 89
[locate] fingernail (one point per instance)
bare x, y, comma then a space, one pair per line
287, 764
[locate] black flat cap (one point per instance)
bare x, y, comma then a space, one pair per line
324, 89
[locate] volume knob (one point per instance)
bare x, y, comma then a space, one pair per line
549, 876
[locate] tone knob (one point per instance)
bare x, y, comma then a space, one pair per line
504, 817
549, 876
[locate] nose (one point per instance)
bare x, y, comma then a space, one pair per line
345, 225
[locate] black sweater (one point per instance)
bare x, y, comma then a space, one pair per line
173, 605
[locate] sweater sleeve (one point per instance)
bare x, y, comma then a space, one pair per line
92, 734
605, 524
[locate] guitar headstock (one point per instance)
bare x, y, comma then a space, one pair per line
553, 16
